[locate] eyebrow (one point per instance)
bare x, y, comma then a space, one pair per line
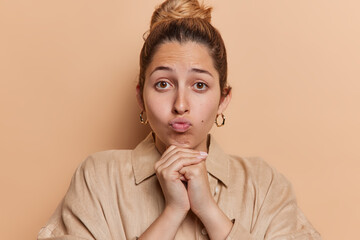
196, 70
161, 68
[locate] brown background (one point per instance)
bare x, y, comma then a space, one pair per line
68, 71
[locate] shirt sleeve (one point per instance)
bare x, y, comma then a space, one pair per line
276, 215
80, 215
238, 232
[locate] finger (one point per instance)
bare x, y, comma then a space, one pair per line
174, 151
192, 171
168, 151
182, 155
182, 178
165, 156
180, 163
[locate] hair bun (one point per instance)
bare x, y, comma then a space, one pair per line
177, 9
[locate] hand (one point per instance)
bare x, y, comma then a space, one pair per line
202, 203
198, 188
177, 165
168, 169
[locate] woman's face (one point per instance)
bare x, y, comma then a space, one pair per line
181, 95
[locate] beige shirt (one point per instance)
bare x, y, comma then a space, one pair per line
116, 195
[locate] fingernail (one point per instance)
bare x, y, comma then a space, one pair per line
203, 153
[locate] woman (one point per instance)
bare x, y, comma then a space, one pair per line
178, 183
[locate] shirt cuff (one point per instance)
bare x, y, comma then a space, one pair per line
238, 232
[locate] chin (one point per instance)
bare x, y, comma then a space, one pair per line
185, 140
188, 139
180, 140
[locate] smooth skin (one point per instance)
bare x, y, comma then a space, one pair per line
181, 83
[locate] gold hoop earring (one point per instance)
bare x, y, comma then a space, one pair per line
223, 120
142, 119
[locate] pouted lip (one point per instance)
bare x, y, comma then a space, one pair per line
180, 124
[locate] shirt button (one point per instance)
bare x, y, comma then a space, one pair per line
217, 189
203, 231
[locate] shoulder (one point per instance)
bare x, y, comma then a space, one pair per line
252, 165
105, 164
257, 172
106, 158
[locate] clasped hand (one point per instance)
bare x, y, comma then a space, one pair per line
184, 181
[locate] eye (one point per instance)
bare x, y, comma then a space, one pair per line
162, 85
200, 86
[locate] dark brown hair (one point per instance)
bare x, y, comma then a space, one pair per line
183, 21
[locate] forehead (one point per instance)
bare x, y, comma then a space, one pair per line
183, 55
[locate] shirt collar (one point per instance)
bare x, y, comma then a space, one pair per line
145, 155
217, 162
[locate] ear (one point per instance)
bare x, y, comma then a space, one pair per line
224, 101
139, 98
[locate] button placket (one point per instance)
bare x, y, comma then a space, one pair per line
204, 232
216, 192
213, 184
201, 232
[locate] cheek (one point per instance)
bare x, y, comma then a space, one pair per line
156, 107
208, 111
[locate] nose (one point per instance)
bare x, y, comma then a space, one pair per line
181, 105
